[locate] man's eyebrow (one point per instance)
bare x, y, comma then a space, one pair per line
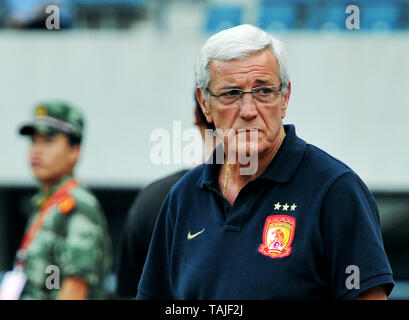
229, 88
259, 81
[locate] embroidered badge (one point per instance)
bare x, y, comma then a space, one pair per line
41, 111
67, 205
278, 235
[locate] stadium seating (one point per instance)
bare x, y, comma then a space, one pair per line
327, 15
109, 13
219, 17
1, 14
380, 16
110, 2
29, 14
275, 16
374, 14
271, 15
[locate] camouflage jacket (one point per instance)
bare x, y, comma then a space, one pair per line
75, 241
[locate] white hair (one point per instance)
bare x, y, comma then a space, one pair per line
238, 43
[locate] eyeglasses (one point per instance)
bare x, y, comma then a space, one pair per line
262, 94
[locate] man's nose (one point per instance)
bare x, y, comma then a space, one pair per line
36, 148
248, 108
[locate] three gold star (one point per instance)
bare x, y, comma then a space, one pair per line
285, 206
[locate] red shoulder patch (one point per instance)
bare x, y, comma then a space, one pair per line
67, 205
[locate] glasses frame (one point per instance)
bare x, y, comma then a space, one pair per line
242, 93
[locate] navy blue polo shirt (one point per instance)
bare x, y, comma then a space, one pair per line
307, 228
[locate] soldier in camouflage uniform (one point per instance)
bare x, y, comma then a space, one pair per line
67, 232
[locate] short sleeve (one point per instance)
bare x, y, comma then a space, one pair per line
155, 280
352, 240
82, 254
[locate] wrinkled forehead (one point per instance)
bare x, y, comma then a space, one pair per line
261, 65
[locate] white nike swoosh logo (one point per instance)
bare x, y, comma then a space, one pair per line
191, 236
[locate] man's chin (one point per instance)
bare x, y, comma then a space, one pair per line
246, 152
42, 176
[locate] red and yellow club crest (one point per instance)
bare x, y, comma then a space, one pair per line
278, 235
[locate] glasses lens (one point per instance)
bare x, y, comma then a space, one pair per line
230, 96
264, 94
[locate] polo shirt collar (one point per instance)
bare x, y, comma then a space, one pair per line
281, 169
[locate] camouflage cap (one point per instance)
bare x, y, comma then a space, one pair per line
54, 118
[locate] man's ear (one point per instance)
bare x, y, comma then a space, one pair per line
74, 154
286, 99
204, 105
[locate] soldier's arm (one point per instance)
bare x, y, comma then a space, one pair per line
82, 256
73, 289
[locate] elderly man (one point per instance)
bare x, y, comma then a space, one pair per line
301, 226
